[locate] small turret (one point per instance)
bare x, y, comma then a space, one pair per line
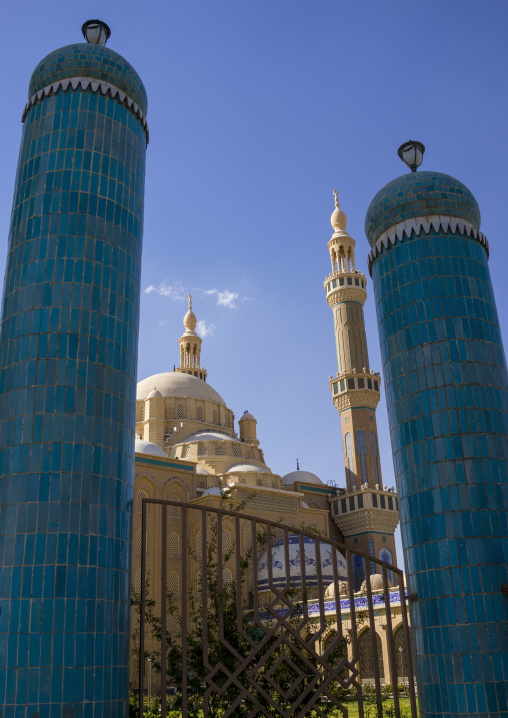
248, 431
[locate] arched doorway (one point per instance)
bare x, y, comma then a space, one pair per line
400, 655
367, 671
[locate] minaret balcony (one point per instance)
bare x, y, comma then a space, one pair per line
365, 510
356, 389
345, 286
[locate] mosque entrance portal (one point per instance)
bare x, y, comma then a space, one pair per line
247, 617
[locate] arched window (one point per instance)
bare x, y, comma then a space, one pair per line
199, 540
201, 484
141, 412
174, 583
386, 556
373, 450
219, 451
139, 540
227, 577
227, 541
236, 450
199, 413
172, 454
242, 480
367, 656
174, 511
179, 411
361, 443
137, 583
141, 495
201, 450
174, 544
173, 624
259, 482
215, 417
350, 453
185, 452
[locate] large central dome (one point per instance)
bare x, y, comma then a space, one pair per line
178, 384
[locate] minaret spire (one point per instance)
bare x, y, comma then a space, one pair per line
356, 392
190, 346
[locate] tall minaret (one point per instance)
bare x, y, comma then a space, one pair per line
368, 516
190, 346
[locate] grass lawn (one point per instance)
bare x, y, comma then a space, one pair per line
369, 709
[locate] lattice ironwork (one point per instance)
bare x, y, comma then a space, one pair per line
249, 632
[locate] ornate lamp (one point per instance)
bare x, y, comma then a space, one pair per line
96, 32
412, 154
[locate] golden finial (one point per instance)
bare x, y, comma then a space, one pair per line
190, 302
336, 194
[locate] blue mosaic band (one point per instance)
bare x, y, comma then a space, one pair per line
85, 83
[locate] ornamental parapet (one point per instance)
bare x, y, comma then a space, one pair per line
93, 85
356, 389
345, 287
367, 519
439, 223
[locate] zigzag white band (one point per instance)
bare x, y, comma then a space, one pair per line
95, 86
438, 222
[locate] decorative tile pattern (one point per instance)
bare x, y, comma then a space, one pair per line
418, 194
446, 388
85, 60
68, 355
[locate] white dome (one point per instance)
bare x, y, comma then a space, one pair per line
208, 436
146, 447
305, 476
213, 491
202, 470
279, 571
246, 467
155, 394
376, 582
178, 384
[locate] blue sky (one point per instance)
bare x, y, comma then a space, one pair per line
257, 110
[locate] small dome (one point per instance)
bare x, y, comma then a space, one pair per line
376, 583
419, 194
246, 467
208, 436
201, 470
86, 60
305, 505
212, 491
178, 384
338, 220
154, 394
146, 447
247, 417
304, 476
343, 589
278, 560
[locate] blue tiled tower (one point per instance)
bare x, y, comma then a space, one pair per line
446, 388
68, 355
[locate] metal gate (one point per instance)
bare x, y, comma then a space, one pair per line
243, 616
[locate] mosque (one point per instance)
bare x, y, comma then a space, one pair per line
188, 449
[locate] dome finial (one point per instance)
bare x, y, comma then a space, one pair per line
338, 218
297, 464
189, 320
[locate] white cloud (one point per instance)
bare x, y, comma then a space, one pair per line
162, 322
225, 298
204, 329
165, 289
